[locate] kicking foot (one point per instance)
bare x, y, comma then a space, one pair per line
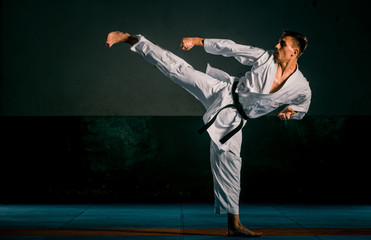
242, 232
117, 37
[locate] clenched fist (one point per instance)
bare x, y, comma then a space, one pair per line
189, 42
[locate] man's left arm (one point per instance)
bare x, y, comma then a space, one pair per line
297, 107
286, 113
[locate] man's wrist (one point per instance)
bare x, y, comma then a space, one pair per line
199, 41
292, 111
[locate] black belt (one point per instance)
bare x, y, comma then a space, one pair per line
238, 106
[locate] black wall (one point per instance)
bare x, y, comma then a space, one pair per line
163, 159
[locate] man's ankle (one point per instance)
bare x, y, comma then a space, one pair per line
234, 221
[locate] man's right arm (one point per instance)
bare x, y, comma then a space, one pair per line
245, 54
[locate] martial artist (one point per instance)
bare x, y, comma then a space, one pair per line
274, 80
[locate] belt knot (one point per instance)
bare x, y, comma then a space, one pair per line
238, 106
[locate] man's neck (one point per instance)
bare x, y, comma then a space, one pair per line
288, 68
284, 71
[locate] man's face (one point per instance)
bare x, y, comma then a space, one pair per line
285, 50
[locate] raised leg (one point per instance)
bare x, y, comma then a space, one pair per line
199, 84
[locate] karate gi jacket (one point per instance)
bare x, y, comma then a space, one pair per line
253, 88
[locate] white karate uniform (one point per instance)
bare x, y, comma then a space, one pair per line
253, 88
213, 90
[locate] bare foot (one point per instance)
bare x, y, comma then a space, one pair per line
117, 37
242, 232
235, 228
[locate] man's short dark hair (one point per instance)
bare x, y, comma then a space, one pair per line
301, 40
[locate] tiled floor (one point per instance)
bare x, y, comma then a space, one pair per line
167, 221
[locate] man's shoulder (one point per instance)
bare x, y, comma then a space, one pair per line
301, 82
300, 76
266, 58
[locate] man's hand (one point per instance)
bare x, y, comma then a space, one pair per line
189, 42
286, 113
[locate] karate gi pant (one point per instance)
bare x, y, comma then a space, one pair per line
226, 163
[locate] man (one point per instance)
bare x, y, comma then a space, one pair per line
274, 80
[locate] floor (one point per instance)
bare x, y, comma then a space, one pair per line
182, 221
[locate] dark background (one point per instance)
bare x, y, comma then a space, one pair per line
83, 123
54, 60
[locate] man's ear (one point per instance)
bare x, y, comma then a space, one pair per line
296, 52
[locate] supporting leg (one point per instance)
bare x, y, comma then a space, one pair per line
226, 169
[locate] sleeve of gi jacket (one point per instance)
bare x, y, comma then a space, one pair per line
245, 54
